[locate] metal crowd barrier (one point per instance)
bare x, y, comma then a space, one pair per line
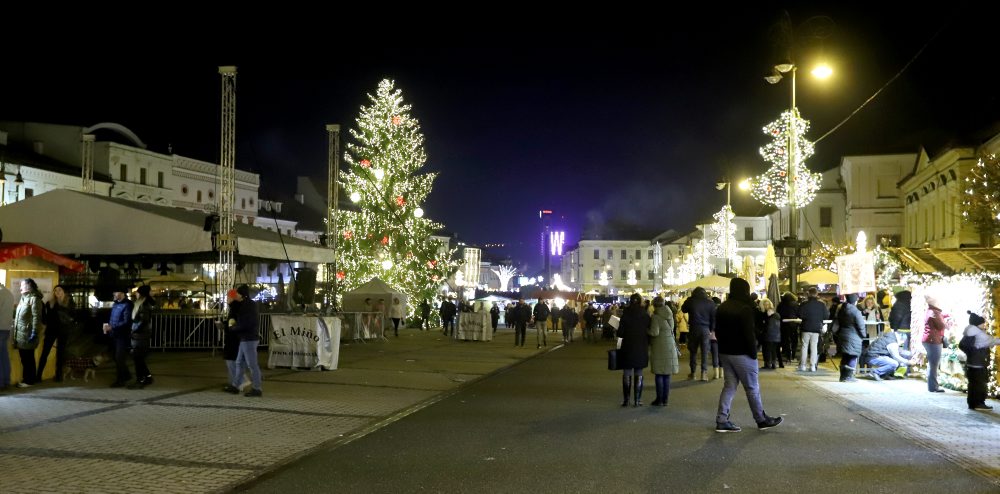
172, 331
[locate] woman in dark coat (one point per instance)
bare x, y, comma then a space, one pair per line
849, 336
58, 324
899, 315
634, 353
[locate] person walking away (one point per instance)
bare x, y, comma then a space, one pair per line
522, 314
569, 320
425, 315
396, 314
701, 321
850, 334
541, 315
976, 344
812, 313
589, 323
142, 331
633, 356
7, 306
246, 326
788, 308
735, 329
447, 312
119, 326
662, 350
899, 316
933, 339
231, 342
58, 324
495, 317
554, 313
771, 335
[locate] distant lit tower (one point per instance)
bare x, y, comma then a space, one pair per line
225, 274
545, 216
552, 241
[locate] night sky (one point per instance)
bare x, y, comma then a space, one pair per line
610, 119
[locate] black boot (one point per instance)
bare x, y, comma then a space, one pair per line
626, 390
850, 375
659, 391
637, 383
666, 390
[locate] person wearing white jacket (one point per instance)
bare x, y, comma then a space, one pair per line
396, 314
976, 344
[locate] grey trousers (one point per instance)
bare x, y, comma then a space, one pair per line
739, 369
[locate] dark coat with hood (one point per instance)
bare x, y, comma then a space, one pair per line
735, 321
852, 327
700, 310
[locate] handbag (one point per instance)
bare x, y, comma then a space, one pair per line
613, 359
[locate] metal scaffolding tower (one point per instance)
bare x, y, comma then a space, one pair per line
333, 174
87, 152
225, 272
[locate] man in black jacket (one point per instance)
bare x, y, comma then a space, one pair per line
812, 313
735, 331
701, 322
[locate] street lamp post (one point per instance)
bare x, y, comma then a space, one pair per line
791, 246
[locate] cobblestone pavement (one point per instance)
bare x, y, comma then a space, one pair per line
183, 434
941, 422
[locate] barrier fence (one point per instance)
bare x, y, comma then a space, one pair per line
173, 331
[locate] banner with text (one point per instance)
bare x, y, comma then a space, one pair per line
857, 272
304, 342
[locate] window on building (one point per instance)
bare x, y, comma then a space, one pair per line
28, 192
611, 254
649, 254
199, 196
123, 173
748, 233
638, 254
244, 203
597, 253
624, 255
159, 179
825, 217
650, 275
597, 274
142, 176
624, 275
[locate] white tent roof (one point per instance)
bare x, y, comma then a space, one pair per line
74, 223
354, 300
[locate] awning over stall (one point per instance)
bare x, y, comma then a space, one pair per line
9, 250
87, 225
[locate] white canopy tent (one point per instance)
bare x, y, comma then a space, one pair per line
73, 223
354, 300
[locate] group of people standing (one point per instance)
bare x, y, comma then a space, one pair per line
650, 339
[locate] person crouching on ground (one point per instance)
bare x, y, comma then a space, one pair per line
246, 325
885, 355
976, 344
735, 329
634, 353
663, 351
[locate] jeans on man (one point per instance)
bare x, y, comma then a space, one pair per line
739, 369
246, 359
540, 333
520, 333
808, 351
699, 338
884, 365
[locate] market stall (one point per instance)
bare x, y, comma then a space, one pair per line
20, 260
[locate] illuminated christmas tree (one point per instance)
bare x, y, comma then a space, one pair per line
772, 187
387, 235
981, 203
723, 244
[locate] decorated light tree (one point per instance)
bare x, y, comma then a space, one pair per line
723, 243
505, 273
776, 186
981, 203
387, 235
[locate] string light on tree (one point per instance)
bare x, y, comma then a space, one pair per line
388, 236
772, 187
981, 201
723, 243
